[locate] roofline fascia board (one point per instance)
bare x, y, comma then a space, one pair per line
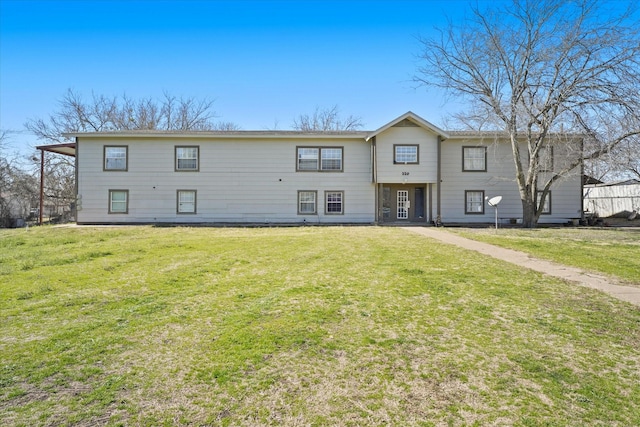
49, 146
248, 135
67, 149
506, 138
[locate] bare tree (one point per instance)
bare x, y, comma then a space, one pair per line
5, 177
18, 188
59, 188
186, 114
622, 162
326, 120
102, 113
142, 114
561, 72
630, 157
226, 126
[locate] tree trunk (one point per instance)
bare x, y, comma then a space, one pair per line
529, 219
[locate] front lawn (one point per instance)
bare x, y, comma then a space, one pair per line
613, 251
300, 326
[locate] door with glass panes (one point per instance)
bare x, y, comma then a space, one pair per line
403, 204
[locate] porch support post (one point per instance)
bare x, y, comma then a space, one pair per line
41, 187
430, 192
379, 204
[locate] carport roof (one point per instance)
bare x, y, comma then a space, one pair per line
68, 149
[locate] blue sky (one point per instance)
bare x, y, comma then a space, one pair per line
264, 62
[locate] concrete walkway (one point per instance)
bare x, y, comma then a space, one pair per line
591, 280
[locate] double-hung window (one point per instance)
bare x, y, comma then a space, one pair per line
319, 159
474, 159
405, 154
308, 159
118, 201
546, 206
186, 201
187, 158
331, 159
474, 202
115, 158
307, 204
334, 201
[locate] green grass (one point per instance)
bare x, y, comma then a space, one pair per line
611, 251
300, 326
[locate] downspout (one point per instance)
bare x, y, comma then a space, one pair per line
374, 169
374, 179
76, 187
582, 181
439, 178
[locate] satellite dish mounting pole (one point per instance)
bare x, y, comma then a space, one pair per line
494, 202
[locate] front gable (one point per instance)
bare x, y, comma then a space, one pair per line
407, 150
409, 119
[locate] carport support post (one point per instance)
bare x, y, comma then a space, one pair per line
41, 187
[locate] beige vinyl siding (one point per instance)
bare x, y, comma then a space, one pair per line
252, 177
422, 172
239, 181
566, 194
498, 180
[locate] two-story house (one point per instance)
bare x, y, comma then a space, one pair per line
407, 171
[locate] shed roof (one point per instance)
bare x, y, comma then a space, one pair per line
68, 149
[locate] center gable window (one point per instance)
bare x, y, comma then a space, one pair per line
405, 154
187, 158
319, 159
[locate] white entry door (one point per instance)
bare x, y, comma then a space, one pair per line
403, 204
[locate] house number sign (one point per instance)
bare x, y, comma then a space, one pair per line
405, 173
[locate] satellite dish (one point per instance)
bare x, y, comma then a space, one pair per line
494, 200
